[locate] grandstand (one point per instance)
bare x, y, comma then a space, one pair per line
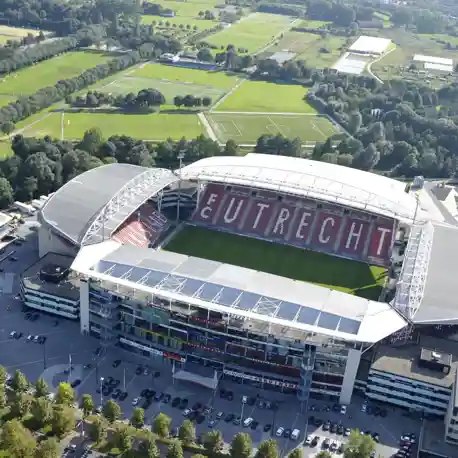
279, 271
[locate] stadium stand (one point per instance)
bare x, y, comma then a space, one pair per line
297, 221
143, 228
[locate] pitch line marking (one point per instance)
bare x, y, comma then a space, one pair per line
275, 125
237, 127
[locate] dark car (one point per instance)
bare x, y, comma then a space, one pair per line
230, 396
158, 397
115, 383
98, 351
193, 415
144, 393
183, 404
75, 383
229, 417
42, 339
116, 362
251, 401
167, 398
327, 426
139, 370
267, 427
123, 396
116, 393
146, 404
176, 402
340, 429
287, 433
237, 420
222, 393
314, 442
197, 406
150, 394
254, 425
109, 380
333, 428
318, 422
18, 335
157, 374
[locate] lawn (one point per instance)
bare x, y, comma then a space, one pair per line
202, 24
290, 262
218, 79
5, 149
15, 33
246, 129
253, 32
323, 52
147, 127
47, 73
168, 88
265, 97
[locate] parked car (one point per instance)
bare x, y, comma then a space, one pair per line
267, 427
186, 412
176, 402
116, 362
135, 401
343, 410
75, 383
280, 432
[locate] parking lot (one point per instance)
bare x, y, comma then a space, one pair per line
64, 343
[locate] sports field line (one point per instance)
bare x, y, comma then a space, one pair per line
275, 125
237, 127
265, 113
315, 127
225, 96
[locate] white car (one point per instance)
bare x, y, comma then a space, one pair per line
135, 401
364, 408
219, 415
280, 432
36, 339
30, 338
12, 334
186, 412
343, 410
309, 440
247, 422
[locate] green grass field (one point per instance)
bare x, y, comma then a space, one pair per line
265, 97
253, 32
321, 269
181, 75
246, 129
147, 127
48, 72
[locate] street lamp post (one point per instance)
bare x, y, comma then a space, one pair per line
180, 159
44, 355
101, 391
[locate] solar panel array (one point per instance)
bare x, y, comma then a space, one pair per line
229, 297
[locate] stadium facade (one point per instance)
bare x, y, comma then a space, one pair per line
250, 326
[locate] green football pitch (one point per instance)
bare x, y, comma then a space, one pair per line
309, 266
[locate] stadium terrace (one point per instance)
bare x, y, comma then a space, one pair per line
281, 272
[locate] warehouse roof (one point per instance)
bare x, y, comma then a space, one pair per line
238, 291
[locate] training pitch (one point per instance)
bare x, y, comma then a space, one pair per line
247, 128
309, 266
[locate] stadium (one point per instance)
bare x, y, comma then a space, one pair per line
285, 273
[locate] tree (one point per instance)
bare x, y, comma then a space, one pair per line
175, 450
111, 411
213, 441
19, 383
20, 405
65, 394
267, 449
297, 453
8, 127
138, 418
355, 122
42, 411
87, 404
230, 148
206, 101
41, 388
187, 432
92, 140
205, 55
148, 447
122, 438
161, 425
98, 430
359, 445
323, 454
3, 374
17, 440
63, 420
2, 397
48, 448
241, 446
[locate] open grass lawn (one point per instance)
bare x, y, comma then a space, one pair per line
290, 262
15, 33
253, 32
147, 127
5, 149
170, 73
267, 97
312, 24
246, 129
168, 88
48, 72
315, 55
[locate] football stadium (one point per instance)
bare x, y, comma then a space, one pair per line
284, 273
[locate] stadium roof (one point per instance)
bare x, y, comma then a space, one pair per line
92, 205
368, 44
319, 180
439, 305
241, 292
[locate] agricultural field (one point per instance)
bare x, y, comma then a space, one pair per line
252, 32
407, 45
310, 47
321, 269
47, 73
265, 97
144, 126
312, 24
14, 33
247, 128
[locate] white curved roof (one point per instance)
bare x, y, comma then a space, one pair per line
318, 180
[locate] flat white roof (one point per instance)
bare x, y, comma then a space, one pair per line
233, 290
317, 180
440, 67
350, 65
366, 44
432, 59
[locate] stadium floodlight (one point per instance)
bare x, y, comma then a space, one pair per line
180, 158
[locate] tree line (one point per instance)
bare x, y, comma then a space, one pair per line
28, 408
